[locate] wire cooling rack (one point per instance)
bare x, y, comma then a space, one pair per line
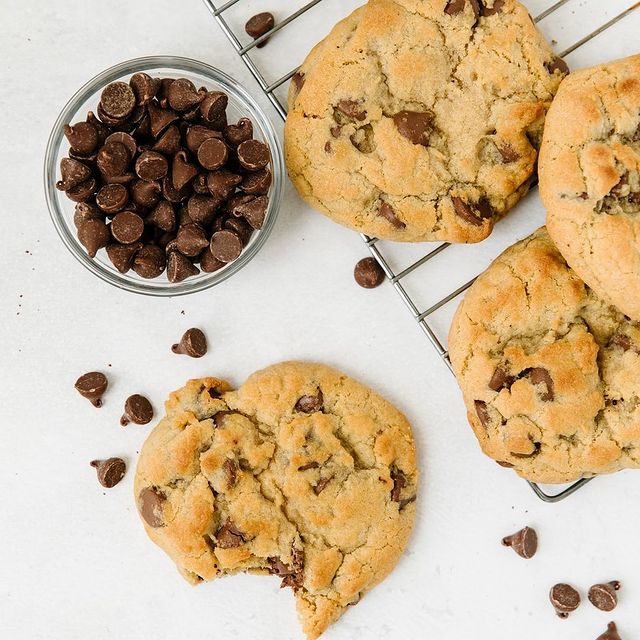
571, 25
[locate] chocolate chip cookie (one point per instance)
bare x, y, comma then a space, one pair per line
417, 121
549, 371
590, 179
301, 473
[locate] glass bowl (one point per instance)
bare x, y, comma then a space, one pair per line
241, 104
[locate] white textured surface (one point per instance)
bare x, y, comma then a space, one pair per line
75, 562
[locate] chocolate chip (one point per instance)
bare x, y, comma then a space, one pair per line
163, 216
172, 194
193, 344
399, 483
82, 137
85, 211
113, 159
236, 134
202, 209
363, 139
191, 240
240, 227
179, 267
182, 170
482, 412
160, 119
257, 183
389, 214
151, 166
93, 235
524, 542
144, 87
622, 341
297, 80
137, 409
169, 143
92, 386
500, 380
564, 599
454, 7
604, 596
213, 154
225, 246
230, 469
321, 485
220, 417
213, 106
197, 134
475, 213
229, 536
310, 404
259, 24
351, 109
150, 505
145, 194
557, 64
199, 184
222, 184
498, 5
182, 95
253, 155
149, 261
336, 131
538, 376
72, 173
310, 465
611, 633
208, 263
368, 273
112, 198
126, 140
83, 191
121, 255
109, 471
254, 211
117, 100
127, 227
415, 126
508, 153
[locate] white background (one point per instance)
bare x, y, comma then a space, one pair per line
74, 560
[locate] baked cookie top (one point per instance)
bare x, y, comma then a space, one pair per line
550, 373
301, 472
420, 120
590, 179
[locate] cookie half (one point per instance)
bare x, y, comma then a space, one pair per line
550, 373
420, 120
590, 179
302, 473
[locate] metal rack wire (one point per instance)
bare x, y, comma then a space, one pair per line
397, 279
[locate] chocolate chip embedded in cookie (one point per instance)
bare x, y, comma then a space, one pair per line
590, 180
301, 473
548, 370
451, 146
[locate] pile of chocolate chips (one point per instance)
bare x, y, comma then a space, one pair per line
162, 181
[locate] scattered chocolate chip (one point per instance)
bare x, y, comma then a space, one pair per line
321, 485
231, 470
92, 386
604, 596
150, 505
482, 412
109, 471
236, 134
225, 245
557, 64
82, 137
399, 483
524, 542
117, 100
368, 273
351, 109
310, 404
415, 126
127, 227
611, 633
260, 24
213, 154
144, 87
121, 255
149, 262
83, 191
389, 214
564, 599
229, 536
193, 343
137, 409
537, 376
500, 380
93, 235
253, 155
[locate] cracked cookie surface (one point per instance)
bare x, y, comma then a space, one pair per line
420, 120
302, 473
590, 179
550, 373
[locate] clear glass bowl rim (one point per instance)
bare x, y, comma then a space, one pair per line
150, 63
